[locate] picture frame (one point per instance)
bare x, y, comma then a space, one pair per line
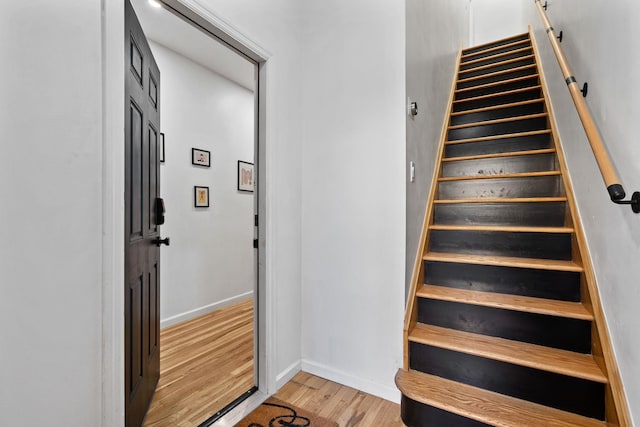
200, 157
246, 176
161, 147
200, 196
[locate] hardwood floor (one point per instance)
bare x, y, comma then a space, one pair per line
346, 406
205, 364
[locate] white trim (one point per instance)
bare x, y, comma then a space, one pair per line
112, 404
286, 375
267, 278
196, 11
381, 390
205, 309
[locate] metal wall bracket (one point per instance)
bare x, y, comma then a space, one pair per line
585, 89
634, 202
545, 5
560, 37
413, 108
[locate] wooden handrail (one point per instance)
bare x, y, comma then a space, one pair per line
609, 175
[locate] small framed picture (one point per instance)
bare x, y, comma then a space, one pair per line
161, 147
246, 179
200, 157
201, 197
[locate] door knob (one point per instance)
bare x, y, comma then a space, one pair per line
158, 241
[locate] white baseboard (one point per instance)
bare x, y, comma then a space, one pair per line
383, 391
200, 311
286, 375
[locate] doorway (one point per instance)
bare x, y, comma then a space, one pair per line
208, 168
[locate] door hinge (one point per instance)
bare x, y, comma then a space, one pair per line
255, 220
255, 243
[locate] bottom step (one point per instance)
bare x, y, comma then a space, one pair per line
468, 403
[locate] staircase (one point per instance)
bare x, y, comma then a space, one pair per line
500, 326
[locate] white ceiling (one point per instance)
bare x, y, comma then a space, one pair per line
165, 28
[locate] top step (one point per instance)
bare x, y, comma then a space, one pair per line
496, 50
502, 42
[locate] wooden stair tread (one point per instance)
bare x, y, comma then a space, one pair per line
496, 73
483, 405
502, 261
497, 155
492, 84
498, 176
496, 64
480, 46
492, 95
497, 55
502, 228
495, 48
573, 310
504, 200
534, 356
502, 136
498, 121
498, 107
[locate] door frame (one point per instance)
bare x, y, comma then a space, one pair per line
112, 340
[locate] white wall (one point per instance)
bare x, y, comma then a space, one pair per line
496, 19
599, 41
336, 114
435, 32
210, 262
51, 217
353, 192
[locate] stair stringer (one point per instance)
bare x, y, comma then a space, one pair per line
617, 408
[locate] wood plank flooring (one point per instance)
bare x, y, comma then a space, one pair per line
205, 364
346, 406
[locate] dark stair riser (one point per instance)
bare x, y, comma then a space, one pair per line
498, 243
488, 52
496, 44
503, 128
497, 113
508, 65
417, 414
499, 145
500, 165
497, 99
549, 284
534, 214
497, 88
539, 186
496, 59
551, 331
558, 391
497, 78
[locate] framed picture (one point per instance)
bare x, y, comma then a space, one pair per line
200, 157
201, 197
246, 180
161, 147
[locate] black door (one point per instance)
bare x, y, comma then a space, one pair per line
142, 255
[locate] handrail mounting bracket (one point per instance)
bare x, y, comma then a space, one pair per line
634, 202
